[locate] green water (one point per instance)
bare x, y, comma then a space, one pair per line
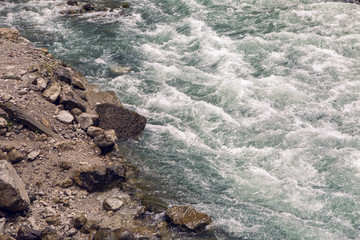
253, 106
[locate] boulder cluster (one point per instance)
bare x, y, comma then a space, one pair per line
60, 174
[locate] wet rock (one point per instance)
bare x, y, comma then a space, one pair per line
126, 123
15, 156
89, 226
89, 6
27, 233
52, 92
71, 100
106, 140
18, 115
9, 33
99, 178
33, 155
3, 123
188, 218
79, 221
65, 117
112, 204
72, 2
120, 70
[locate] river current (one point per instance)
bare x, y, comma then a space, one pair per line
253, 107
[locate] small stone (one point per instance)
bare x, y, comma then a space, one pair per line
75, 112
3, 155
79, 221
52, 92
54, 220
41, 84
66, 183
89, 226
33, 155
65, 117
3, 123
112, 204
23, 91
15, 156
65, 165
84, 120
92, 131
48, 212
106, 140
45, 122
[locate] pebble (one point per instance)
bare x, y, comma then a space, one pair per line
65, 117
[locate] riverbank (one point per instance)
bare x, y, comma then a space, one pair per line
59, 133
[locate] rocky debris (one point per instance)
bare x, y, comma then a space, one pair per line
99, 178
10, 34
112, 204
65, 117
53, 220
108, 234
12, 189
18, 115
188, 218
52, 92
106, 140
27, 233
65, 165
90, 226
71, 100
126, 123
15, 156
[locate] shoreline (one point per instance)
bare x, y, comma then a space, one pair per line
76, 184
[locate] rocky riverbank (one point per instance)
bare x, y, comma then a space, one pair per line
61, 176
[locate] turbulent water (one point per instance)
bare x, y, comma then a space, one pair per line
253, 107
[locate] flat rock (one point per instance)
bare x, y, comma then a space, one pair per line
187, 218
126, 123
112, 204
18, 115
99, 178
65, 117
33, 155
12, 189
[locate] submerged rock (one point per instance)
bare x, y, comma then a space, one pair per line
126, 123
188, 218
14, 197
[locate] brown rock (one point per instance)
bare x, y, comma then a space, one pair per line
89, 226
71, 100
99, 178
65, 165
66, 183
3, 155
53, 220
127, 124
79, 221
26, 233
15, 156
9, 33
5, 237
188, 218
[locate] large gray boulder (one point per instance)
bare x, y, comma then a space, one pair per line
14, 197
126, 123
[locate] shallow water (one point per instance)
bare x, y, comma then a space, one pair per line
253, 106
